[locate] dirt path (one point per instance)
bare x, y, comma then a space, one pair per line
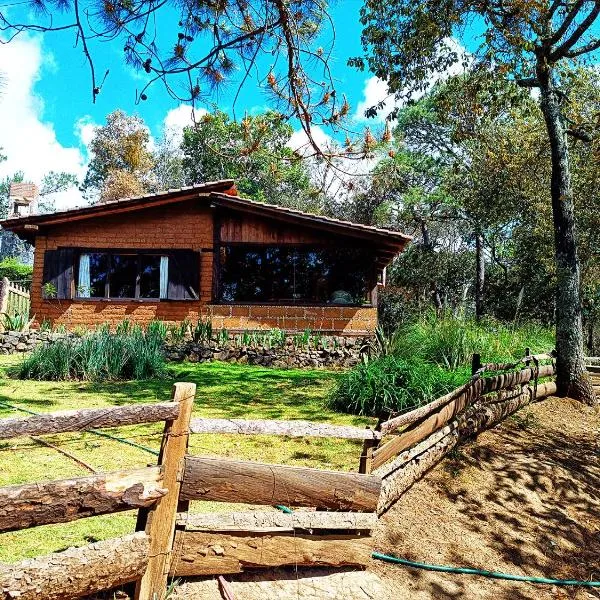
524, 499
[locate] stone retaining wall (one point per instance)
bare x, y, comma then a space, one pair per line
331, 351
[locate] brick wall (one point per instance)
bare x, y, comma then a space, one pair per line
184, 226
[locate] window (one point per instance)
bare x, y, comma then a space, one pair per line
138, 275
294, 275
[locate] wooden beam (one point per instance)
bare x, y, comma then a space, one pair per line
286, 428
76, 572
160, 524
275, 520
424, 428
87, 418
421, 412
400, 480
23, 506
225, 480
208, 553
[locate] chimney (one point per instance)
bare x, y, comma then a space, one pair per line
22, 199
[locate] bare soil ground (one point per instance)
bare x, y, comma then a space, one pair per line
524, 498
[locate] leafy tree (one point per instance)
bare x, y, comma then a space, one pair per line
254, 152
527, 41
121, 161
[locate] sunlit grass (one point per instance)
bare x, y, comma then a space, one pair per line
223, 390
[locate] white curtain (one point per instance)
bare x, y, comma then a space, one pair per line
164, 276
83, 286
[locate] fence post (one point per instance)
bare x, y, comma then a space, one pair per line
161, 520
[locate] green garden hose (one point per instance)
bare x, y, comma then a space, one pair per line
467, 571
490, 574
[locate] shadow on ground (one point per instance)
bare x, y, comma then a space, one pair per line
523, 499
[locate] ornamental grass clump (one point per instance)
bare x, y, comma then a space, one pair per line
129, 353
387, 384
427, 358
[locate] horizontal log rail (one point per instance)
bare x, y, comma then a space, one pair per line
87, 418
274, 520
284, 428
206, 553
494, 383
76, 572
226, 480
410, 466
61, 501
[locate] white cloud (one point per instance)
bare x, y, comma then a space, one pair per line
376, 90
28, 141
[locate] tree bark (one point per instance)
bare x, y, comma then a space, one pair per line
249, 482
428, 246
76, 572
65, 500
479, 277
572, 379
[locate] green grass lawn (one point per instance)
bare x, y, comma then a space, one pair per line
224, 390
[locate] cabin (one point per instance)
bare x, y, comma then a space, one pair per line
204, 252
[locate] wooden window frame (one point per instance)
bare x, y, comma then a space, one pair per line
110, 252
372, 292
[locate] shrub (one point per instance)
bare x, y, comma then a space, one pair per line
14, 270
130, 353
391, 384
451, 341
427, 358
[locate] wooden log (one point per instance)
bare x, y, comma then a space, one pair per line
510, 380
226, 480
421, 412
400, 480
206, 553
60, 501
286, 428
410, 466
76, 572
423, 429
491, 384
265, 521
87, 418
160, 525
406, 456
593, 368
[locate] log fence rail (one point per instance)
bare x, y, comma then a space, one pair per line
171, 541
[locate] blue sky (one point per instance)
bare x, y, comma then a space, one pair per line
47, 115
65, 81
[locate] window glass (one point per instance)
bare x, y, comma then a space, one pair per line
295, 275
149, 276
93, 274
123, 275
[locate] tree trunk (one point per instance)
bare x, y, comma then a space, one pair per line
428, 246
572, 379
479, 276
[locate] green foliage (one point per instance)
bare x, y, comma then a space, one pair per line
129, 353
17, 322
253, 152
15, 270
427, 358
450, 341
390, 384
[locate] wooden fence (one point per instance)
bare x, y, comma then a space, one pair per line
171, 541
14, 298
414, 442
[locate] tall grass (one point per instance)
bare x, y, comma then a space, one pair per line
391, 384
130, 353
451, 341
427, 358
